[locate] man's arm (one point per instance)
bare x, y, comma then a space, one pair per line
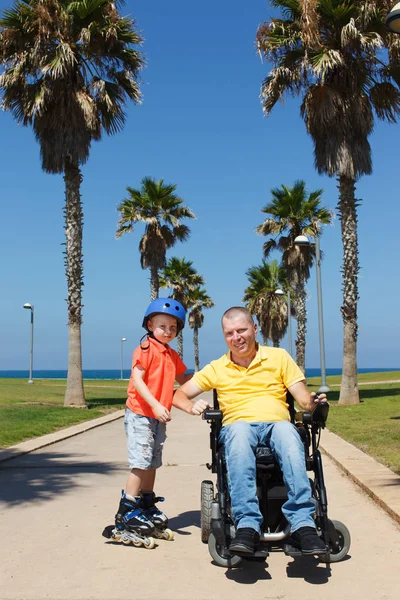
301, 394
183, 399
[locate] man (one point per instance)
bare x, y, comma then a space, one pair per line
251, 382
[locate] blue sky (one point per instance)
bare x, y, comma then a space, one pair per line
200, 126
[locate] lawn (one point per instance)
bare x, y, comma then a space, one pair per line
374, 424
28, 411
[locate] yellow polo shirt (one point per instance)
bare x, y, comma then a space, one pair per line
256, 393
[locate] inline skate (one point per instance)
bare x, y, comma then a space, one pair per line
158, 518
132, 526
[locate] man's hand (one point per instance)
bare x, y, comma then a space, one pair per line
161, 413
320, 398
199, 407
303, 397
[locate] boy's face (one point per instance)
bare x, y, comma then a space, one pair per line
163, 327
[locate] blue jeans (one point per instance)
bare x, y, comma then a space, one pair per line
240, 440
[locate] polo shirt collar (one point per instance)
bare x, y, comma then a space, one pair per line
261, 354
158, 345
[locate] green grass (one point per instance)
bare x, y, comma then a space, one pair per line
362, 378
28, 411
373, 425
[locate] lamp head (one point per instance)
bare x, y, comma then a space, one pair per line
301, 240
28, 305
123, 339
279, 292
393, 19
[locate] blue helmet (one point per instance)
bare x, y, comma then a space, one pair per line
166, 306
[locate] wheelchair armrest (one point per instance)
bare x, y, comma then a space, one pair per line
212, 414
317, 416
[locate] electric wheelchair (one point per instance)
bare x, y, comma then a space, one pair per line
217, 528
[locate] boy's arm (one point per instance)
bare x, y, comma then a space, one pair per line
183, 399
160, 412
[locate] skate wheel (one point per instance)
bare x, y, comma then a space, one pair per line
126, 541
149, 543
137, 543
168, 535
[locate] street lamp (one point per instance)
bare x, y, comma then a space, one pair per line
30, 307
393, 19
122, 356
280, 292
302, 240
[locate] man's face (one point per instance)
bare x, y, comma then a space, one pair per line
240, 335
163, 327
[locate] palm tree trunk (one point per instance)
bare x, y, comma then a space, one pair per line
154, 282
301, 316
196, 348
347, 209
180, 344
74, 395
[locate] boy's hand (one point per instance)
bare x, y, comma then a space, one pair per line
199, 407
161, 413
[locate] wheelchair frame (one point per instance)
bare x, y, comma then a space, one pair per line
217, 528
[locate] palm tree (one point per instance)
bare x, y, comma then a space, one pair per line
198, 300
69, 68
261, 300
156, 205
179, 275
293, 212
331, 53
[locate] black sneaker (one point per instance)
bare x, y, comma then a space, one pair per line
245, 541
309, 542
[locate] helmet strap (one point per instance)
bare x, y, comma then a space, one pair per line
142, 346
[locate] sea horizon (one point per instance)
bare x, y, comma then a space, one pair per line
116, 373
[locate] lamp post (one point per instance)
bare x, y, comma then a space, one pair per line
122, 356
393, 19
302, 240
280, 292
31, 308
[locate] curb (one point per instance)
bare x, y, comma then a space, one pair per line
377, 481
58, 436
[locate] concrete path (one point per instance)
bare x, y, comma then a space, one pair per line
55, 501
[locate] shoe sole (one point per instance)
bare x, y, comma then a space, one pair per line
314, 552
241, 548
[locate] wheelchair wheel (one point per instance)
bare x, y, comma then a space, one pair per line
207, 496
222, 556
338, 554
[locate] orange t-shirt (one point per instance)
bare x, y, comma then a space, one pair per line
161, 365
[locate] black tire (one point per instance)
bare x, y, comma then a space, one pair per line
222, 556
338, 554
207, 497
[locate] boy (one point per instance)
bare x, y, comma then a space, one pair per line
155, 367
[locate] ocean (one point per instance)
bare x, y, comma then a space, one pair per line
116, 373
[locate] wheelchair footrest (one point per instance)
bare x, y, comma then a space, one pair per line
291, 550
260, 552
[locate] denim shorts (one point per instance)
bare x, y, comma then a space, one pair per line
145, 438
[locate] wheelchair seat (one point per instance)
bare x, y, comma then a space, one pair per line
264, 456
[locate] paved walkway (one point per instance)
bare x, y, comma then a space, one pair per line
55, 500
